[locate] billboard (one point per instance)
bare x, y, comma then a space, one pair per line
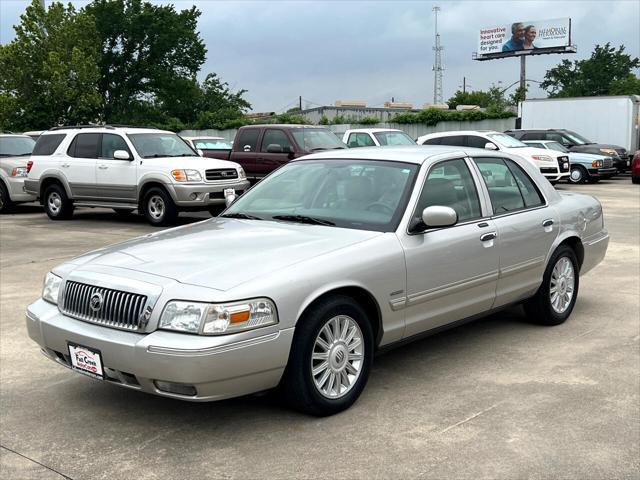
527, 37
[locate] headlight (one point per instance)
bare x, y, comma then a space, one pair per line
241, 173
542, 158
218, 318
186, 175
51, 287
596, 163
20, 172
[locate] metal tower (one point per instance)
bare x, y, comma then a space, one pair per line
437, 66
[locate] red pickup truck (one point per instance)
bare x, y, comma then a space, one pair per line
260, 149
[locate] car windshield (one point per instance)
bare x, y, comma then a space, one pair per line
358, 194
152, 145
211, 144
394, 138
315, 139
557, 146
16, 146
506, 140
575, 138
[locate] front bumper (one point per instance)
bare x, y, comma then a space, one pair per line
218, 367
205, 194
603, 172
553, 175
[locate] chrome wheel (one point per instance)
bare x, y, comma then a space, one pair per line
54, 203
155, 206
577, 175
562, 285
337, 357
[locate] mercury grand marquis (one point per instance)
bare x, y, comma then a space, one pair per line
330, 259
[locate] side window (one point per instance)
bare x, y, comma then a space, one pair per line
533, 136
278, 137
476, 142
85, 145
111, 143
503, 190
47, 144
536, 145
248, 141
352, 141
432, 141
450, 184
556, 137
530, 193
455, 140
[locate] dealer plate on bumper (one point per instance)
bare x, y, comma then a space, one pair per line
86, 360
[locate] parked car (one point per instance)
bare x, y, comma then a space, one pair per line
576, 143
301, 280
34, 134
635, 168
14, 154
261, 149
376, 137
585, 167
212, 147
554, 166
127, 168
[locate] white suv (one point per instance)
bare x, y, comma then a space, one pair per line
553, 165
127, 168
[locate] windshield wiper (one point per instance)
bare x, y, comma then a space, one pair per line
244, 216
303, 219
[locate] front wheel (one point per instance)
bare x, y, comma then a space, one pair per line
554, 301
159, 208
578, 174
330, 358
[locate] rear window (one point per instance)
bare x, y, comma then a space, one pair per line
47, 144
85, 145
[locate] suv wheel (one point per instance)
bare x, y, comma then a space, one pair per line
57, 204
556, 297
5, 200
578, 174
159, 208
330, 358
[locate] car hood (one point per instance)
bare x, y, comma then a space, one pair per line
528, 152
222, 253
586, 157
595, 147
195, 163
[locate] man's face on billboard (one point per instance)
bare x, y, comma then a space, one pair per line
519, 32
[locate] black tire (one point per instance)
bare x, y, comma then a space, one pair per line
539, 308
56, 203
635, 179
6, 205
123, 212
152, 200
298, 386
578, 174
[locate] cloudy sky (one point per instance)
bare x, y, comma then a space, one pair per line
374, 50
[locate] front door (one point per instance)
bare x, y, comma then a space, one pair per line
451, 272
116, 179
267, 162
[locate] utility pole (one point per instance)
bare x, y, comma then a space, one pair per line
300, 102
464, 84
523, 76
437, 66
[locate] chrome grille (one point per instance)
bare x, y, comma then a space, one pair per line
118, 309
221, 174
607, 162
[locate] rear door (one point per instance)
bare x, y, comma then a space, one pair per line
267, 162
116, 179
79, 166
526, 227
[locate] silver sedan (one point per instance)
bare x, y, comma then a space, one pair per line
328, 260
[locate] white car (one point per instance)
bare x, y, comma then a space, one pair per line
126, 168
376, 137
553, 165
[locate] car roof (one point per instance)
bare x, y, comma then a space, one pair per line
14, 135
372, 130
460, 132
417, 154
203, 137
103, 129
537, 130
285, 125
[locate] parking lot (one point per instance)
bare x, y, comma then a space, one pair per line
498, 398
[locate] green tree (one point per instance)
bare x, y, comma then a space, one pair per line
601, 74
149, 53
493, 98
218, 105
49, 70
629, 85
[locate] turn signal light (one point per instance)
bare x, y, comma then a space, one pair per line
239, 317
179, 175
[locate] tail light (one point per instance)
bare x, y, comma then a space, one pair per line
29, 165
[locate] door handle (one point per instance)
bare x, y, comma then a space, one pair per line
488, 236
259, 159
547, 223
65, 165
483, 225
102, 167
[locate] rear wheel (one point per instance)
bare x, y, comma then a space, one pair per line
5, 200
159, 208
556, 297
330, 358
578, 174
635, 179
57, 203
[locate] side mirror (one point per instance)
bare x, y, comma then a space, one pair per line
438, 216
490, 146
121, 155
200, 152
274, 148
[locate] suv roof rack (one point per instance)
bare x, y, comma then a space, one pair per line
108, 126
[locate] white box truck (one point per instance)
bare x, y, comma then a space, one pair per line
609, 119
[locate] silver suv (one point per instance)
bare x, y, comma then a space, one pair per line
128, 168
14, 155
